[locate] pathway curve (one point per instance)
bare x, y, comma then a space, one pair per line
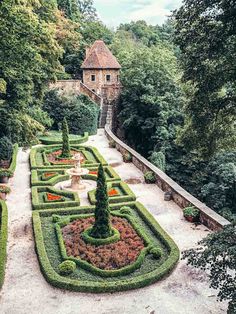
25, 291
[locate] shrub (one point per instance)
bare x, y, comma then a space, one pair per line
66, 268
81, 113
65, 140
156, 252
158, 159
6, 148
112, 144
102, 227
127, 157
191, 212
6, 173
40, 116
4, 189
150, 177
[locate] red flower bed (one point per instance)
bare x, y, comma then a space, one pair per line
54, 158
53, 197
48, 175
93, 172
113, 192
110, 256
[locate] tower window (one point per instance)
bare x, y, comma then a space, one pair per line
108, 77
118, 78
93, 78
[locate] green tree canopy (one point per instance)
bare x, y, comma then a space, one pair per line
205, 33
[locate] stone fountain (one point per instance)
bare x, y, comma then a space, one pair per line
76, 173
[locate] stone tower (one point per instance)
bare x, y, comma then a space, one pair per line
101, 72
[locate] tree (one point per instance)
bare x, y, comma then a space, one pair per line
87, 10
158, 159
150, 104
217, 256
102, 227
219, 189
80, 112
205, 33
65, 140
29, 58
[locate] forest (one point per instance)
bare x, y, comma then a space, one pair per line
178, 102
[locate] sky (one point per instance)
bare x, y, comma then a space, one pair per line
114, 12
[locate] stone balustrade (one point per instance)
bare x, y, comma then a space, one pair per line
181, 197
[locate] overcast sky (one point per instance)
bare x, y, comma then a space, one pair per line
114, 12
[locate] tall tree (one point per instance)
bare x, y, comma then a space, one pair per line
87, 10
65, 140
205, 33
29, 58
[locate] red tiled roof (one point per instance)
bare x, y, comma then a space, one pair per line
100, 57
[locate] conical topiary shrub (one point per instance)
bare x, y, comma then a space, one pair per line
102, 227
65, 140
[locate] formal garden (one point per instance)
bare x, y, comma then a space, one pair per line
113, 244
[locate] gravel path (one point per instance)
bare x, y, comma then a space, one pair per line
25, 291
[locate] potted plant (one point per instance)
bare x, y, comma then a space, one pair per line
5, 174
150, 177
4, 190
127, 157
191, 214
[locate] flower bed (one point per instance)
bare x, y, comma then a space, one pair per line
147, 268
47, 157
112, 256
47, 197
118, 192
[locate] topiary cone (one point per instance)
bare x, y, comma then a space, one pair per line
102, 227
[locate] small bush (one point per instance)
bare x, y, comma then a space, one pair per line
156, 252
6, 173
66, 268
192, 212
4, 189
6, 148
150, 177
112, 144
127, 157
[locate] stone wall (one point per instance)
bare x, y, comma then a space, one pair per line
100, 79
67, 86
208, 217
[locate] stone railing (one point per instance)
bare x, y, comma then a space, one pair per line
92, 95
181, 197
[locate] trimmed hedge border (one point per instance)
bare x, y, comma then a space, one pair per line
109, 286
37, 205
3, 240
34, 162
60, 177
127, 197
48, 141
12, 167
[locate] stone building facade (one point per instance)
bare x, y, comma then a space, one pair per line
101, 71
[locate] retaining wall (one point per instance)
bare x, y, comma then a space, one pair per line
208, 217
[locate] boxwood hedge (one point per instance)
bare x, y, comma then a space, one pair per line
3, 240
55, 138
126, 195
149, 271
38, 198
38, 157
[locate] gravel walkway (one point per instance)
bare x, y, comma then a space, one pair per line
25, 291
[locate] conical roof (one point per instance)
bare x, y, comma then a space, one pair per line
100, 57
